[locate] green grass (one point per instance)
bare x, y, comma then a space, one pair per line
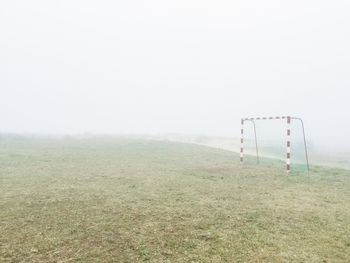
134, 200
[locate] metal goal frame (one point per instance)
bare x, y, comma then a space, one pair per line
288, 150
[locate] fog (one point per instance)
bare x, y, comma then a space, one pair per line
192, 67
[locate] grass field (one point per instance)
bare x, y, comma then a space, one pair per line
135, 200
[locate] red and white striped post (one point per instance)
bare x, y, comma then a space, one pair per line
288, 144
242, 132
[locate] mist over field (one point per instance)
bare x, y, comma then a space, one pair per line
187, 67
120, 131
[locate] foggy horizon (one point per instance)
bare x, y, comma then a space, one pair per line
190, 67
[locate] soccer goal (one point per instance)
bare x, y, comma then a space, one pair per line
288, 119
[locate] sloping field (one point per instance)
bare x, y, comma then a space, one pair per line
269, 149
134, 200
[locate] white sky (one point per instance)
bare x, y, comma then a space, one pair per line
174, 66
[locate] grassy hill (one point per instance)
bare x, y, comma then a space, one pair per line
137, 200
275, 149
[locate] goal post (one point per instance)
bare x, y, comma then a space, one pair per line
288, 120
